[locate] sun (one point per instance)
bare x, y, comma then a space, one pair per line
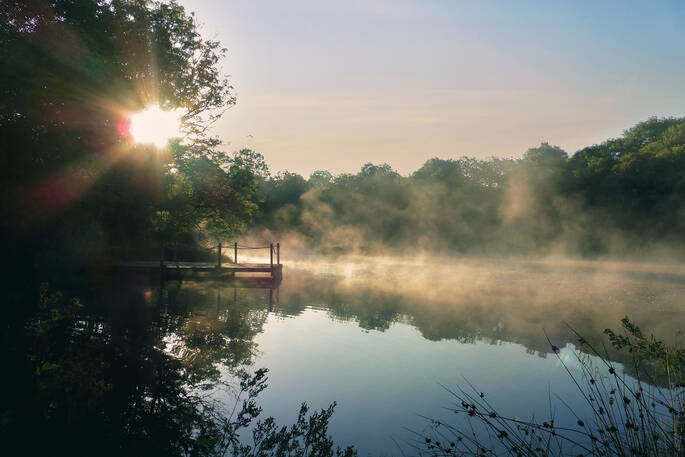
155, 126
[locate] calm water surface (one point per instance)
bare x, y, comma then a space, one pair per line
384, 337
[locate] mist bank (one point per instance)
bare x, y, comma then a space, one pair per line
476, 298
623, 197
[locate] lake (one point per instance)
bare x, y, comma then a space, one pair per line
384, 337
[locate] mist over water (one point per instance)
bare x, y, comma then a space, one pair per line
500, 294
381, 334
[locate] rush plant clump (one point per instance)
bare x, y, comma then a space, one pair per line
640, 414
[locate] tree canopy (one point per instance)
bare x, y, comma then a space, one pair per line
625, 195
71, 179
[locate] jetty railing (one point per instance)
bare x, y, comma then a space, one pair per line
237, 247
200, 260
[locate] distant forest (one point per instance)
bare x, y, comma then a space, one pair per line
624, 196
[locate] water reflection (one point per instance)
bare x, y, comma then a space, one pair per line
132, 367
476, 321
512, 301
126, 368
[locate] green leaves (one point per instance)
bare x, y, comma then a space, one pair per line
71, 71
308, 436
623, 196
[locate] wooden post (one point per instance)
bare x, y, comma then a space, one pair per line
218, 256
161, 264
235, 252
278, 253
271, 250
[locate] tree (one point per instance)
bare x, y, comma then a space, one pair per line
545, 155
320, 178
71, 71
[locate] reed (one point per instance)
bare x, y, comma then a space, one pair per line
629, 415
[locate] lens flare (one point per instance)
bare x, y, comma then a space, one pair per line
155, 126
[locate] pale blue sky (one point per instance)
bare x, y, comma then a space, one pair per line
332, 85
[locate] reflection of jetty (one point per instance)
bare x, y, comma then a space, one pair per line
219, 270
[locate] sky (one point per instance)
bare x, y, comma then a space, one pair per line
324, 85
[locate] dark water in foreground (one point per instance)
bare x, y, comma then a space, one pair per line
383, 336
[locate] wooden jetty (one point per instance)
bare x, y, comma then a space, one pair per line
219, 270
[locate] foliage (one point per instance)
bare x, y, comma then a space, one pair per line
219, 198
665, 364
73, 185
307, 436
623, 196
88, 382
626, 417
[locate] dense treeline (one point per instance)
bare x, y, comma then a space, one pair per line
622, 196
74, 188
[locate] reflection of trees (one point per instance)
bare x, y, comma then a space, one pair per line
99, 383
215, 326
134, 372
498, 311
134, 375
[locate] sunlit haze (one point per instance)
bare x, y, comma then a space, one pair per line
332, 85
155, 126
